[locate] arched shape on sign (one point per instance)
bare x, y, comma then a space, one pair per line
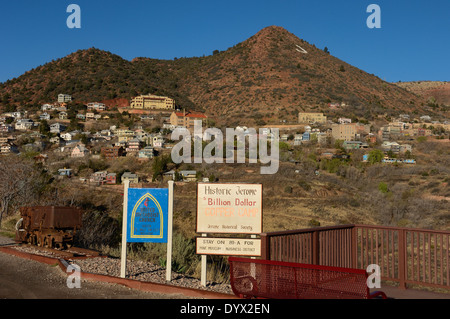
160, 216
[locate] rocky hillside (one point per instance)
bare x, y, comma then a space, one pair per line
267, 78
434, 91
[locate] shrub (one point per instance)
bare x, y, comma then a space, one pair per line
99, 229
375, 156
314, 223
304, 185
382, 187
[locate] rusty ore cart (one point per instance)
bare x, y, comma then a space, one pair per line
48, 226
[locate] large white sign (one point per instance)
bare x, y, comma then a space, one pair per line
229, 208
228, 246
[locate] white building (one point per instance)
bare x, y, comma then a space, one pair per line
96, 106
24, 124
343, 120
47, 107
57, 128
63, 98
44, 116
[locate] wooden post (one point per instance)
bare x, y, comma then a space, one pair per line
265, 246
402, 258
123, 256
203, 270
315, 248
169, 234
354, 247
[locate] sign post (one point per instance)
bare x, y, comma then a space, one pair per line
203, 271
147, 218
228, 209
169, 234
123, 256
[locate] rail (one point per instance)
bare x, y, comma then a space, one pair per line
404, 255
252, 278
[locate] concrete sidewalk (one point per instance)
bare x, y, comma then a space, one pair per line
397, 293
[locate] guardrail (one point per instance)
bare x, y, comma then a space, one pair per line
405, 255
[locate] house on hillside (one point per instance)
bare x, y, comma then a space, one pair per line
99, 177
112, 152
69, 136
55, 140
8, 148
157, 141
298, 139
343, 120
96, 106
47, 107
189, 176
79, 151
44, 116
57, 128
133, 147
187, 118
63, 115
6, 128
63, 98
111, 178
306, 136
128, 176
390, 146
65, 172
353, 145
24, 124
146, 153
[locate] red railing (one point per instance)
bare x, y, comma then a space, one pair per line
253, 278
404, 255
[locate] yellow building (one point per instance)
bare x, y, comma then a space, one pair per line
343, 132
148, 102
186, 118
311, 118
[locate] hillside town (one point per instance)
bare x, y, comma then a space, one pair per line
143, 130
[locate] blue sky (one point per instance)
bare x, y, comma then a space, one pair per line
412, 44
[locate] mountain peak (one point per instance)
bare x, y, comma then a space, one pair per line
268, 77
274, 33
273, 29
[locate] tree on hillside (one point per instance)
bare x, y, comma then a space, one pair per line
21, 183
375, 156
44, 128
159, 166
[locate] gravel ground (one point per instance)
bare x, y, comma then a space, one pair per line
138, 270
144, 271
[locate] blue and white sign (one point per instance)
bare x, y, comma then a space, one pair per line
147, 215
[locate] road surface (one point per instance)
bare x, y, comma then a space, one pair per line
27, 279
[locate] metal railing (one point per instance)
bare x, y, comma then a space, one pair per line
405, 255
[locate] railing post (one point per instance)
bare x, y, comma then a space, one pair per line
354, 247
402, 258
315, 248
265, 246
